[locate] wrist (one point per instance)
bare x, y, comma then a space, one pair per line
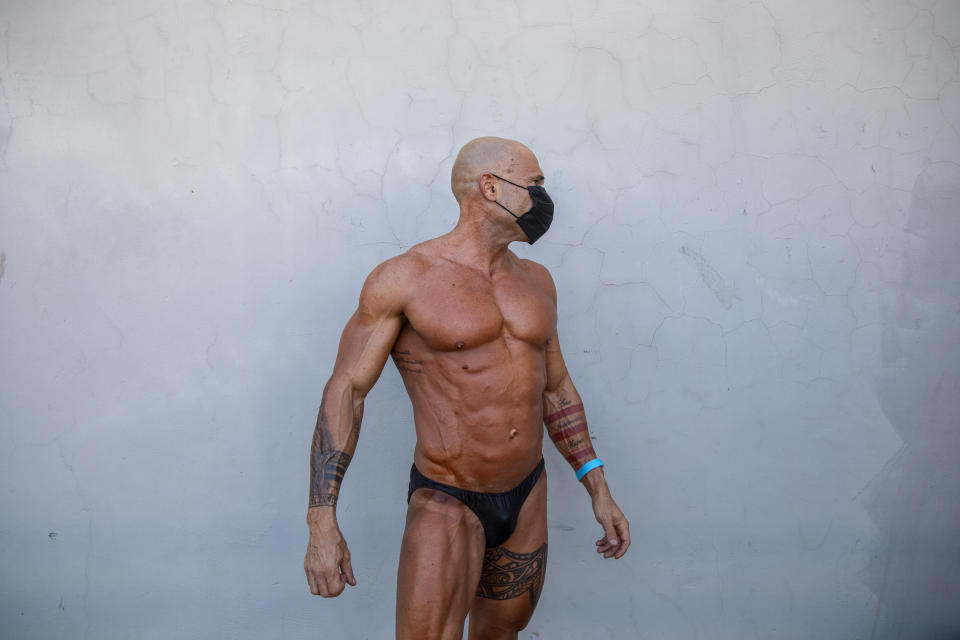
588, 466
322, 519
596, 483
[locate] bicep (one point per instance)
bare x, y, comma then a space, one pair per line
372, 330
364, 347
556, 369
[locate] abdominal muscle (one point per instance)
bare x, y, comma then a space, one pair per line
477, 412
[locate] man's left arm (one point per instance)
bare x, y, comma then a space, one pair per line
566, 423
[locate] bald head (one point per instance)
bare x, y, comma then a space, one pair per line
484, 155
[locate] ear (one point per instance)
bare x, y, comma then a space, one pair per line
488, 186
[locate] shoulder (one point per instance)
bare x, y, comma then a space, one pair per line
388, 287
540, 276
398, 270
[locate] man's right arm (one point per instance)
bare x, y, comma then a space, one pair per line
364, 347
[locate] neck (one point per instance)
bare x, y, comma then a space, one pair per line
478, 242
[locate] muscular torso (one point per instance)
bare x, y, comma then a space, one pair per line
471, 353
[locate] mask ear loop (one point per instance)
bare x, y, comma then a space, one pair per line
516, 217
520, 186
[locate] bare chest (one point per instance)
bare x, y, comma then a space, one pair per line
453, 310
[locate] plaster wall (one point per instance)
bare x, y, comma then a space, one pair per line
756, 255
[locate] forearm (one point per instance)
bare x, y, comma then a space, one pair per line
334, 442
566, 423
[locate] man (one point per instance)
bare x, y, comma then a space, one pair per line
472, 330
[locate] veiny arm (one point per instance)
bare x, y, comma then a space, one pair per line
566, 423
364, 347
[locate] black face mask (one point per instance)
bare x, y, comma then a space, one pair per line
536, 221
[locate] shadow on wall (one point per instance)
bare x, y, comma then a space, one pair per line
915, 505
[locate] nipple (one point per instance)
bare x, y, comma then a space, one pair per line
460, 344
513, 433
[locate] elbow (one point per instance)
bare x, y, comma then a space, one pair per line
346, 387
554, 387
338, 387
358, 394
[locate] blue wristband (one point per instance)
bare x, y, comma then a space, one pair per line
588, 467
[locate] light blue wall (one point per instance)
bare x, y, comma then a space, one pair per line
756, 255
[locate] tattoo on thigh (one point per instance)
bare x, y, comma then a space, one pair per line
507, 574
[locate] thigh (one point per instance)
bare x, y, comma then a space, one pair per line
440, 562
513, 573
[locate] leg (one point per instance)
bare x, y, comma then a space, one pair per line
440, 561
513, 573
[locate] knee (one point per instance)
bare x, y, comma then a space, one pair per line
518, 622
505, 624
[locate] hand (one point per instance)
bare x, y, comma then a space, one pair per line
328, 563
616, 529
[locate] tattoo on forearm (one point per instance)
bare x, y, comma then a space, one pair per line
327, 464
328, 470
323, 500
566, 411
568, 430
507, 574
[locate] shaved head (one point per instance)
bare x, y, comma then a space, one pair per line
483, 155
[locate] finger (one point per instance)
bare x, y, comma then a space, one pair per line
603, 544
610, 533
311, 582
332, 585
322, 587
606, 548
624, 528
347, 571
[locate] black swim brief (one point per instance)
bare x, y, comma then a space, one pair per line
498, 512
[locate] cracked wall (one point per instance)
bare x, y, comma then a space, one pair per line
754, 251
